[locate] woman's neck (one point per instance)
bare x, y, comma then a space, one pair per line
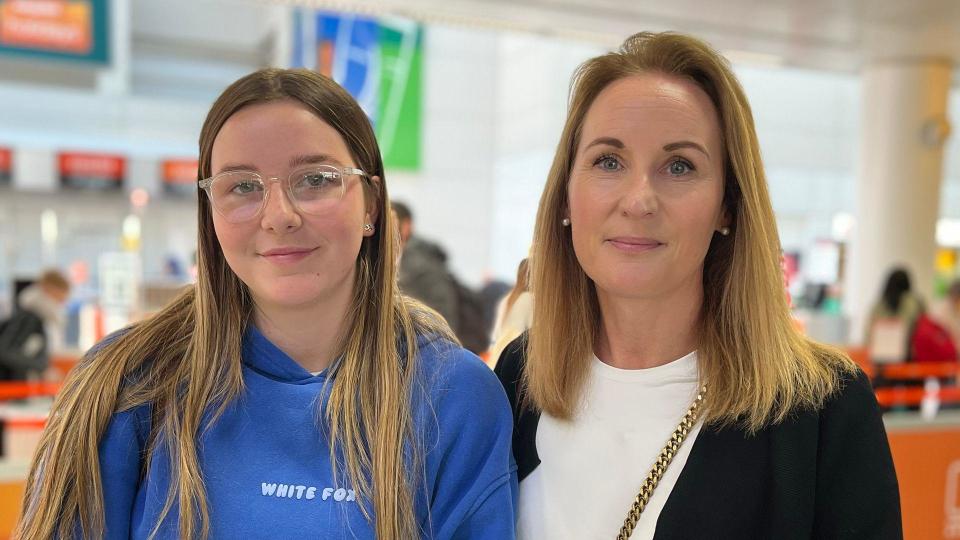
640, 333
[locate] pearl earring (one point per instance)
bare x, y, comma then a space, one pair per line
565, 221
725, 231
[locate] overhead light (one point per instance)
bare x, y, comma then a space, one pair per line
48, 227
131, 233
948, 232
841, 226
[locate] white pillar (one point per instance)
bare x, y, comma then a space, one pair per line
903, 128
280, 43
115, 80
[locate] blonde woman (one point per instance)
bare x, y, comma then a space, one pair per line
662, 391
292, 393
514, 313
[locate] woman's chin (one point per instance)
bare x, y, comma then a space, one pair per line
630, 286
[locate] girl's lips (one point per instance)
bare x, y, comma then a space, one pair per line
287, 255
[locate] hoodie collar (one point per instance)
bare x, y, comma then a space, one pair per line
261, 355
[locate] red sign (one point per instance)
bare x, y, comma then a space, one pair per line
180, 177
99, 165
6, 166
6, 160
91, 171
54, 25
180, 171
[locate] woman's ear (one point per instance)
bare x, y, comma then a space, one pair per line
725, 221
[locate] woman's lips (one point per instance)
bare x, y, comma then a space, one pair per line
634, 244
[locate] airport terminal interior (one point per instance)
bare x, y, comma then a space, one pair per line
856, 105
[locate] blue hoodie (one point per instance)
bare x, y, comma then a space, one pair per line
266, 466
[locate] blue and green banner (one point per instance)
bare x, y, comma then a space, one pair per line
379, 61
74, 30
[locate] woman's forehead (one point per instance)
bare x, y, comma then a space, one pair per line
652, 105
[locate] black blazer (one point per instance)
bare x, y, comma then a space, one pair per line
818, 474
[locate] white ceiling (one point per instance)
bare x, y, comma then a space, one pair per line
215, 24
191, 48
818, 34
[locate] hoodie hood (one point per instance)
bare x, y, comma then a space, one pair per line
35, 300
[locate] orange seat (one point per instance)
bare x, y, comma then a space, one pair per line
861, 356
24, 390
912, 396
919, 370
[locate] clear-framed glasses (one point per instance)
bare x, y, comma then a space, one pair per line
240, 196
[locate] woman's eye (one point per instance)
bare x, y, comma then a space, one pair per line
607, 163
679, 167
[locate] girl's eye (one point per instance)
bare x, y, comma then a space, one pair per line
318, 180
244, 187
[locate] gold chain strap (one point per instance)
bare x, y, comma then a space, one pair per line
660, 466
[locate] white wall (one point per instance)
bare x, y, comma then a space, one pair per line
950, 189
495, 106
531, 109
451, 196
807, 123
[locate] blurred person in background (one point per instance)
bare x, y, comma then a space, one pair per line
947, 312
492, 292
425, 275
292, 392
663, 390
898, 305
35, 328
514, 314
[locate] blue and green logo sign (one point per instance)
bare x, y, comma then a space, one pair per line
379, 61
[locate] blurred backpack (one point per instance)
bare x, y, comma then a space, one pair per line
931, 342
23, 344
472, 328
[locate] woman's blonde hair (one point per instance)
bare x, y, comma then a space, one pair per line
757, 365
184, 362
521, 286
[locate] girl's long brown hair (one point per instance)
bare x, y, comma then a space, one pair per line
184, 362
757, 364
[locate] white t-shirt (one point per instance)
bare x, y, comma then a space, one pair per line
591, 468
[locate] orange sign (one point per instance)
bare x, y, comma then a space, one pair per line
180, 171
53, 25
928, 470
